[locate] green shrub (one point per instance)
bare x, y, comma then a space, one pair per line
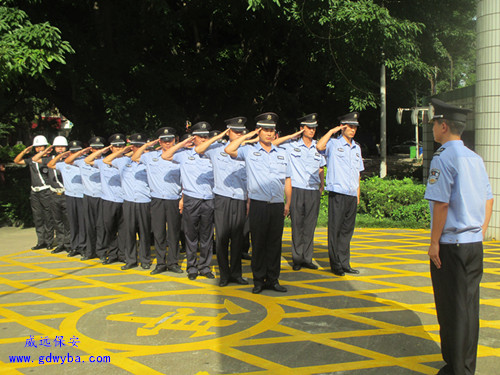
15, 208
398, 200
8, 153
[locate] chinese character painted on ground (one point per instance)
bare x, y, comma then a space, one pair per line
59, 341
30, 342
74, 341
44, 341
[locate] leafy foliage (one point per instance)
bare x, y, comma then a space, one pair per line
27, 52
400, 200
27, 48
15, 206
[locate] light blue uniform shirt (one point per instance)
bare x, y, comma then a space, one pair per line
72, 179
197, 175
134, 180
305, 164
164, 177
111, 182
344, 162
91, 178
230, 175
457, 176
266, 172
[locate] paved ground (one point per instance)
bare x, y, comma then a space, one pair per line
379, 322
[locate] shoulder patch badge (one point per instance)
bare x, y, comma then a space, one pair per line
439, 151
434, 175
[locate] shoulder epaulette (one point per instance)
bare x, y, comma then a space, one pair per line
439, 151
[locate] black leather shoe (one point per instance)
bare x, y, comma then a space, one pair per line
208, 275
257, 289
73, 253
311, 266
223, 282
277, 287
103, 259
239, 280
128, 266
39, 246
49, 246
175, 268
158, 269
110, 260
351, 270
296, 267
192, 276
88, 257
146, 266
339, 273
246, 256
58, 249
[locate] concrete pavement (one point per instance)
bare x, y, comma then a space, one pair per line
121, 322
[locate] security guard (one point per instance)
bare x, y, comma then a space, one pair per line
197, 180
266, 167
230, 179
40, 194
344, 162
165, 182
136, 203
57, 198
73, 190
307, 178
112, 201
92, 192
461, 202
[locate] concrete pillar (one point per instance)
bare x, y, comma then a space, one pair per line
487, 108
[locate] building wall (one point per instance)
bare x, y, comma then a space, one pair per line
487, 108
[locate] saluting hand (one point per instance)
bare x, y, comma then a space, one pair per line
85, 151
338, 128
298, 134
47, 150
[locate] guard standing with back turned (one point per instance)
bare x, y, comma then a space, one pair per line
461, 203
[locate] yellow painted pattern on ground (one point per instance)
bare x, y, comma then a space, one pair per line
382, 321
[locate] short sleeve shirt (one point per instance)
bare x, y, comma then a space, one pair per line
344, 163
111, 182
164, 176
266, 172
39, 173
230, 175
305, 164
458, 177
134, 180
72, 179
197, 175
91, 178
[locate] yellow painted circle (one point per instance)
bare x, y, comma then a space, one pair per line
174, 320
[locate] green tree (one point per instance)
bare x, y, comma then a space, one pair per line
27, 51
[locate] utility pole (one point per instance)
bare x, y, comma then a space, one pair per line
383, 121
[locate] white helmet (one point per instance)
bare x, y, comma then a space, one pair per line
40, 140
60, 141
